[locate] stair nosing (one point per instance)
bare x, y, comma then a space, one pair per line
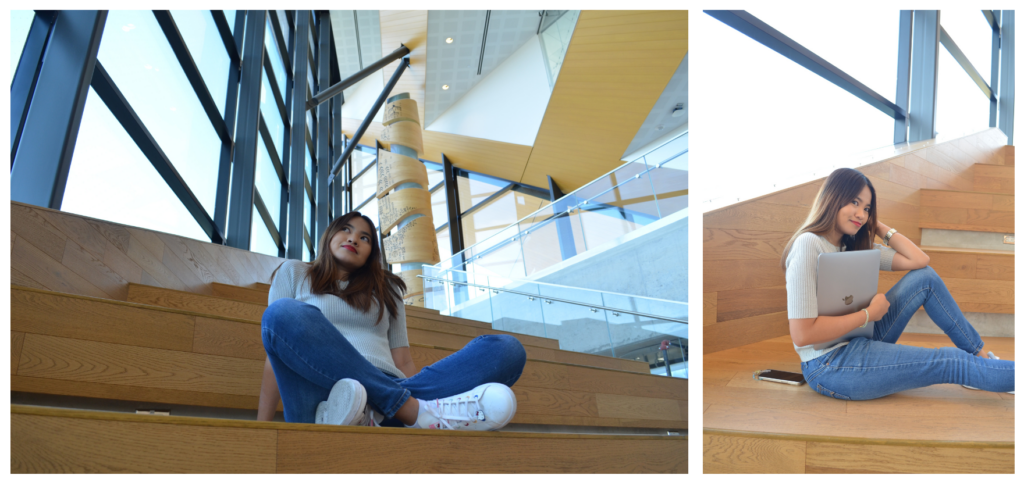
83, 414
968, 192
225, 318
949, 249
856, 440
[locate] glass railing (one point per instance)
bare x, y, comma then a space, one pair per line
636, 194
582, 320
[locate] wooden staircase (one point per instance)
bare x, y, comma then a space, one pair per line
962, 186
81, 365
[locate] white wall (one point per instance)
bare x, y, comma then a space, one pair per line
517, 90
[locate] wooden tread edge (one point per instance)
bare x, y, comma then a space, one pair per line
965, 227
858, 440
251, 322
303, 427
943, 249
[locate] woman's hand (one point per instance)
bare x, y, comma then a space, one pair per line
878, 308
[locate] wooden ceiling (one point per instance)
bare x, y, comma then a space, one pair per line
617, 64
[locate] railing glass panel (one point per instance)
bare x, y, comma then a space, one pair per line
635, 195
582, 320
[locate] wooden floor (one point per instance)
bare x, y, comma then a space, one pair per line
756, 426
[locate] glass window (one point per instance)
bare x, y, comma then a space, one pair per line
474, 189
21, 23
871, 59
111, 179
364, 186
444, 245
230, 16
370, 210
272, 116
961, 107
260, 240
280, 74
971, 32
305, 253
439, 207
307, 211
489, 219
434, 177
286, 28
207, 49
268, 183
361, 159
309, 165
140, 61
775, 140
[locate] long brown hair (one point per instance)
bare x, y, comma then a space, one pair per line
840, 188
367, 286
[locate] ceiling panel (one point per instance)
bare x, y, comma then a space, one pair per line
456, 64
660, 121
617, 65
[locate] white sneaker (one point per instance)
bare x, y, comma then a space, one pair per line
346, 405
490, 406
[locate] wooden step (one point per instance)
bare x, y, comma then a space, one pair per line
1008, 156
47, 440
963, 263
211, 305
80, 346
967, 211
259, 296
239, 293
993, 178
930, 429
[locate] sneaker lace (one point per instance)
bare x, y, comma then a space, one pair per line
451, 410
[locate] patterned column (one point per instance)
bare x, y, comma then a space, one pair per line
403, 201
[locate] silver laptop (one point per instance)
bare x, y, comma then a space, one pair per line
846, 283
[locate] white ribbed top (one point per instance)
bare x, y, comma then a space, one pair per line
374, 342
802, 282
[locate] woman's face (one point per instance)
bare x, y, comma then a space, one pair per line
352, 245
853, 215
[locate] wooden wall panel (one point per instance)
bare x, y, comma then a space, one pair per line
743, 243
747, 455
75, 254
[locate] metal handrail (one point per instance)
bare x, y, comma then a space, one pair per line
534, 295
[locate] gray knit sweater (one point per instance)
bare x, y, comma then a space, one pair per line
374, 342
802, 282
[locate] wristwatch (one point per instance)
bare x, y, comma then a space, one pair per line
888, 236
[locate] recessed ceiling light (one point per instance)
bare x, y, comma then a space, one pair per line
449, 40
444, 87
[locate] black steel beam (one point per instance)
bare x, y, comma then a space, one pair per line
230, 107
1006, 75
563, 223
356, 77
338, 184
42, 157
903, 73
993, 110
924, 74
230, 43
964, 62
754, 28
188, 65
24, 82
323, 136
451, 194
296, 175
129, 120
370, 115
244, 154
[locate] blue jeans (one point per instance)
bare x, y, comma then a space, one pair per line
872, 368
309, 355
